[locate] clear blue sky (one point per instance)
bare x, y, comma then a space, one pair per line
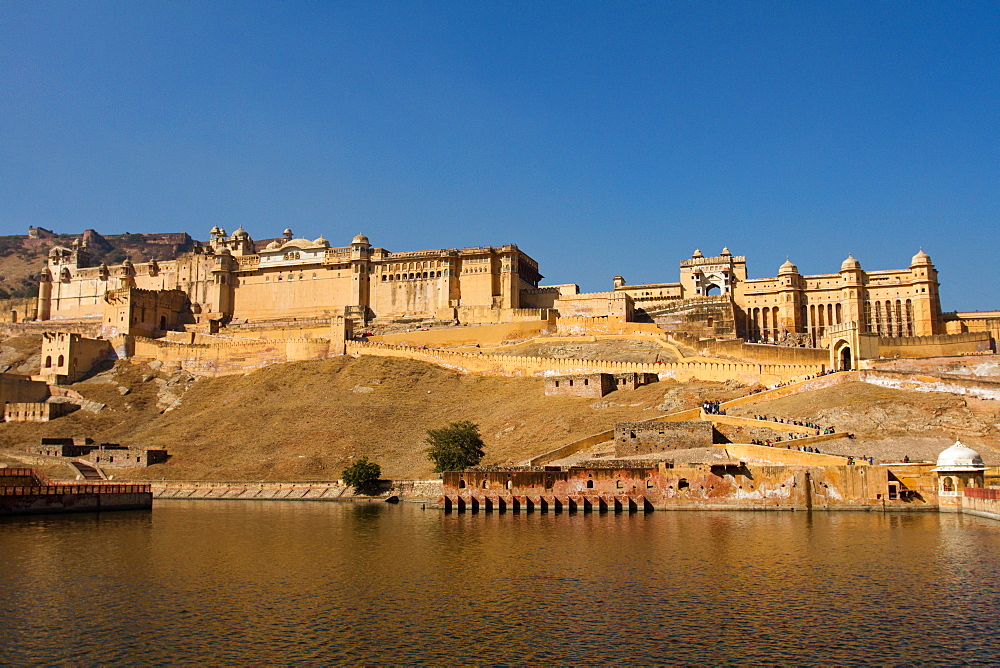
603, 138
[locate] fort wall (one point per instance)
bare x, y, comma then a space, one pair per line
15, 388
643, 438
936, 346
783, 456
229, 356
18, 310
513, 365
486, 335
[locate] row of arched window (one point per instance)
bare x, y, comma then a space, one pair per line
410, 277
59, 362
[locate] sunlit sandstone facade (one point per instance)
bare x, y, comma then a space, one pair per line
231, 279
890, 303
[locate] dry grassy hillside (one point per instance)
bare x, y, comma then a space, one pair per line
306, 420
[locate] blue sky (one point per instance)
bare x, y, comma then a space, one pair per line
603, 138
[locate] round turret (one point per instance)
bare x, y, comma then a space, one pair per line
725, 252
287, 233
850, 264
788, 268
959, 457
696, 254
920, 258
240, 233
360, 240
214, 231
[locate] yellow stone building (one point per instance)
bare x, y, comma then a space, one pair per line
232, 278
888, 303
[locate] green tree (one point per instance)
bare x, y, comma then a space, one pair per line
362, 475
455, 447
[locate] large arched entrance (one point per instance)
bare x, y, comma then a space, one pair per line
844, 358
841, 355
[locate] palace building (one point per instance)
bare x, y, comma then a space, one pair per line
793, 306
234, 278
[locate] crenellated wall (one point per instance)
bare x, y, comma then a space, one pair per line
229, 356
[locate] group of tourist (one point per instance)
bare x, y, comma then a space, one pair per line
773, 442
798, 423
713, 408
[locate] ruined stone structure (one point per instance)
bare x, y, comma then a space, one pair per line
595, 384
643, 438
38, 411
889, 303
105, 455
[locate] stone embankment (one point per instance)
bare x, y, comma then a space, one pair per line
405, 490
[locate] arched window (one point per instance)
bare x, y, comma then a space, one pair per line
590, 484
48, 362
947, 484
486, 484
461, 484
61, 360
682, 483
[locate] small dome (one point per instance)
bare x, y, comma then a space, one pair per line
76, 242
850, 264
322, 242
788, 268
960, 457
274, 245
54, 252
214, 230
127, 263
225, 251
697, 253
725, 251
920, 258
360, 239
240, 233
287, 233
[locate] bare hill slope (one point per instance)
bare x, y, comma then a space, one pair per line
306, 420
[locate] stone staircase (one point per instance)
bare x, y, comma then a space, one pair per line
89, 472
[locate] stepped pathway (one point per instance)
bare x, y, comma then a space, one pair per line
90, 473
783, 390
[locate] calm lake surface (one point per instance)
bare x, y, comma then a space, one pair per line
245, 582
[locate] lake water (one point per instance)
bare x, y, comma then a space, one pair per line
246, 582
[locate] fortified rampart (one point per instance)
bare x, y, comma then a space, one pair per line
513, 365
228, 356
756, 352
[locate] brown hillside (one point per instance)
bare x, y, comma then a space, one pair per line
306, 420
